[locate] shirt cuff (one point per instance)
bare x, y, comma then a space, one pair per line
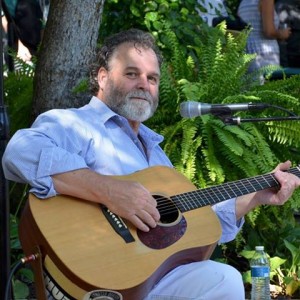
227, 215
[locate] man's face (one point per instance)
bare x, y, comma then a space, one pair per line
130, 87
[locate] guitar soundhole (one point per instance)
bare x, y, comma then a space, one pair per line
170, 228
168, 211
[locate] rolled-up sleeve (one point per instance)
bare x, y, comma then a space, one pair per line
34, 154
227, 216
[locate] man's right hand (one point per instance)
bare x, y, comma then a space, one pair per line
127, 199
133, 202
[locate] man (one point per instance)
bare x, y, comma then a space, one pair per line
72, 151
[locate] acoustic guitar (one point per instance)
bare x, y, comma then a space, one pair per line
86, 247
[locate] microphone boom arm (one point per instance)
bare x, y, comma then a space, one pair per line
237, 120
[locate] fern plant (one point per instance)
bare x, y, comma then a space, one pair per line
209, 152
217, 75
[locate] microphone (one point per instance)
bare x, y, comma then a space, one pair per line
191, 109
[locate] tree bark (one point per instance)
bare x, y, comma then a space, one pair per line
68, 44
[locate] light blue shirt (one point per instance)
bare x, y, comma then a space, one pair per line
93, 136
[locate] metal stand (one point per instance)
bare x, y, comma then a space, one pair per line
237, 120
4, 205
228, 119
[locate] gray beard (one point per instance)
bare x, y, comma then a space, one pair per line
134, 110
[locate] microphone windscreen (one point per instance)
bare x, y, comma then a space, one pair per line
190, 109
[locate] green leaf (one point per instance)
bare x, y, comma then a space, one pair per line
21, 290
151, 16
276, 262
135, 10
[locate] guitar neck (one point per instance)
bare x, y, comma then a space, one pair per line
213, 195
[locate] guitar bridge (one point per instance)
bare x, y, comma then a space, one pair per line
118, 225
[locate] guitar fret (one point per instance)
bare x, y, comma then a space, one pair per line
239, 192
194, 201
218, 195
225, 188
185, 202
245, 187
249, 187
230, 190
210, 197
185, 206
266, 181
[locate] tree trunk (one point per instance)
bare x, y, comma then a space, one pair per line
68, 44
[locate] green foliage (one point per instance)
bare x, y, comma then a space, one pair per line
18, 91
209, 152
151, 15
220, 74
20, 288
207, 65
284, 273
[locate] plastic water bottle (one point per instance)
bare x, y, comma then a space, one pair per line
260, 275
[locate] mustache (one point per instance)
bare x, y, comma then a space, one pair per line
140, 94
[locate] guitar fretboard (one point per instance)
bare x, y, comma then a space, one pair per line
212, 195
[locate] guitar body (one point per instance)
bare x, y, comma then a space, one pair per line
82, 252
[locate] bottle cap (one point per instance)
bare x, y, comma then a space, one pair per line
259, 248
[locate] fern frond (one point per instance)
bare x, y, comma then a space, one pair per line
284, 133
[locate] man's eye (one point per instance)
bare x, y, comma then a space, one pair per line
152, 79
131, 74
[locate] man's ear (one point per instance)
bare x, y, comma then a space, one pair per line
102, 78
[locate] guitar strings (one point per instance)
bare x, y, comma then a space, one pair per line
212, 195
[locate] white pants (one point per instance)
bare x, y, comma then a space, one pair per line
205, 280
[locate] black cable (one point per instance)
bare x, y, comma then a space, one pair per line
11, 274
13, 271
283, 109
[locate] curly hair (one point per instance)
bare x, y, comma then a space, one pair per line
136, 36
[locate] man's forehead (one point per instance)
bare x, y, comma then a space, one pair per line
134, 50
131, 54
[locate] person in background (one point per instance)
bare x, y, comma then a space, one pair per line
289, 16
265, 31
107, 137
23, 22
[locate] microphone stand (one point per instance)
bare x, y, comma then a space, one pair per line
4, 198
229, 120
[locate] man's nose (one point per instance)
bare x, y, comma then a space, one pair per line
143, 83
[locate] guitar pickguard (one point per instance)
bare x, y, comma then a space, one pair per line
161, 237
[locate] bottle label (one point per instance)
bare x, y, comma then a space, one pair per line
259, 271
